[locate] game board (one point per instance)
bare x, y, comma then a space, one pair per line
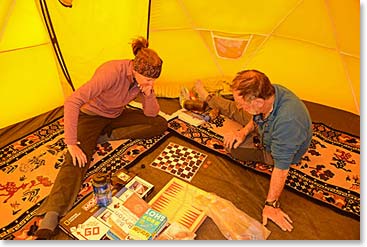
179, 161
177, 200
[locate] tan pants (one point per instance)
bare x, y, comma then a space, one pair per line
130, 124
247, 150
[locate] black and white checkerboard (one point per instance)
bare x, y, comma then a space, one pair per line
179, 161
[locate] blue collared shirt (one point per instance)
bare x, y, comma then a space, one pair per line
286, 133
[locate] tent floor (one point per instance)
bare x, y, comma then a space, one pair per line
245, 188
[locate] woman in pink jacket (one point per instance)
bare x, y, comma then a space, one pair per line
98, 108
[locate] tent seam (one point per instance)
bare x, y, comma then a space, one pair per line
267, 37
193, 27
327, 5
11, 7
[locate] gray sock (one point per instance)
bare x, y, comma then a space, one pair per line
50, 221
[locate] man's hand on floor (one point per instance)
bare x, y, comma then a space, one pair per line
278, 217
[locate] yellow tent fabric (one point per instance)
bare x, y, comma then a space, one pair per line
29, 81
310, 46
89, 33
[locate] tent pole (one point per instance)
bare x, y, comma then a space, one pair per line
55, 44
148, 26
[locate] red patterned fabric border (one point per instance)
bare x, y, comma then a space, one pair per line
29, 166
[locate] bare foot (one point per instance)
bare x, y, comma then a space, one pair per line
201, 91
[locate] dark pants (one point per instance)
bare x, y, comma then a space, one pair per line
130, 124
247, 151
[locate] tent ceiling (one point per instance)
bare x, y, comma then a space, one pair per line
310, 46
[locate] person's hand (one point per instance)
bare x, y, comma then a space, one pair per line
278, 217
77, 155
234, 139
146, 90
200, 90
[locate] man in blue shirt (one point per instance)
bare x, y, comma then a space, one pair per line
281, 122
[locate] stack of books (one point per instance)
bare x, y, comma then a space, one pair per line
169, 215
88, 221
127, 207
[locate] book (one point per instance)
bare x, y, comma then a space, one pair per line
117, 218
148, 226
177, 201
134, 203
190, 117
140, 186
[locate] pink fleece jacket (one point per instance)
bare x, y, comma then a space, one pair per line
106, 94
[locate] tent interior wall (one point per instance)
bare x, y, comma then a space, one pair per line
310, 46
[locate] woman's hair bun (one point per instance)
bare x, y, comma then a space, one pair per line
138, 44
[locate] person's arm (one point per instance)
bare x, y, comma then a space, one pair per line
286, 141
150, 104
72, 105
102, 79
277, 182
235, 138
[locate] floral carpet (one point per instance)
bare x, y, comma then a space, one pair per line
329, 171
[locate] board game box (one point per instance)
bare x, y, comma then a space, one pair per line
91, 229
73, 220
122, 177
140, 186
191, 117
88, 221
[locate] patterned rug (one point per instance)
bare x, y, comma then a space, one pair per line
329, 171
29, 167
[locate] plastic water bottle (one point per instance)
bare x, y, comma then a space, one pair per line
102, 189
